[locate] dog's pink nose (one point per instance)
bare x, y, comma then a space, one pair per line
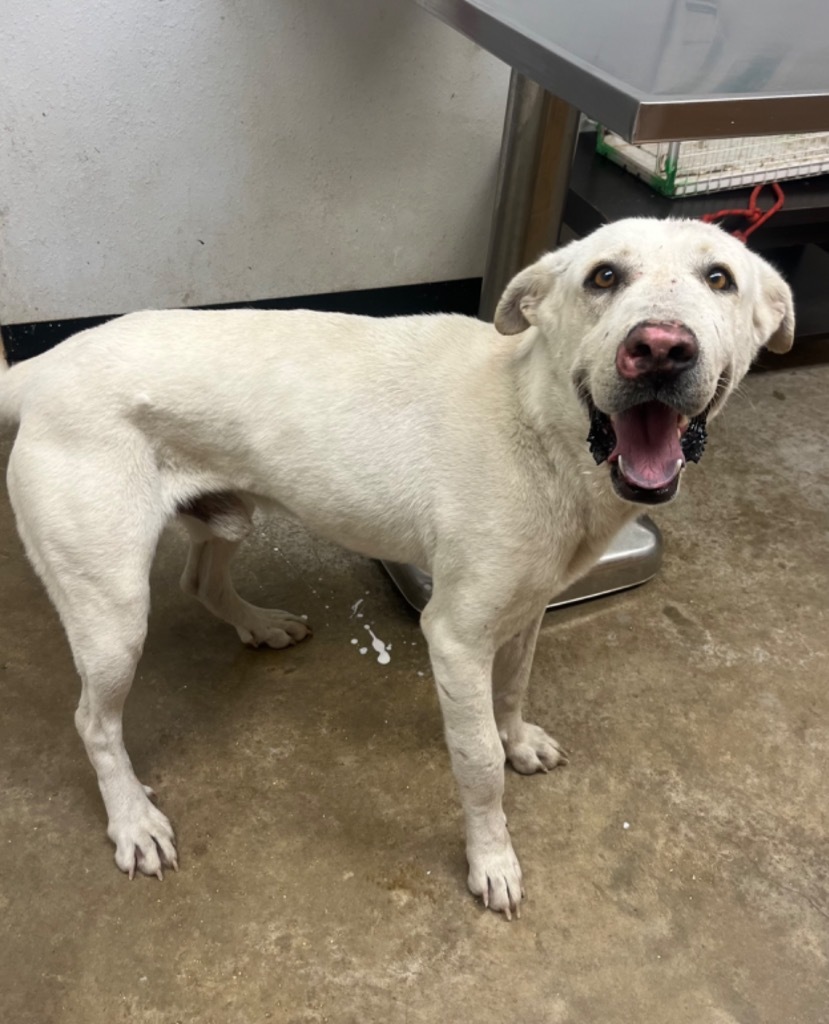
661, 349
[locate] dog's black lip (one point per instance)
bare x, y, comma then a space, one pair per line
642, 495
602, 437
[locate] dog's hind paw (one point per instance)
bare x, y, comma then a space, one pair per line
273, 629
144, 839
531, 750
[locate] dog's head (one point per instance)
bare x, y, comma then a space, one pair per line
658, 321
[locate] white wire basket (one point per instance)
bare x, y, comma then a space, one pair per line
688, 168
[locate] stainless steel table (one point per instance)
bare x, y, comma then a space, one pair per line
650, 70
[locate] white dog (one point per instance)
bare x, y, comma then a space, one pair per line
431, 440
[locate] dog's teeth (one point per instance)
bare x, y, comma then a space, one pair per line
680, 464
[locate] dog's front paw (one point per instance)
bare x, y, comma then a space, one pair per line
495, 876
273, 629
530, 750
143, 837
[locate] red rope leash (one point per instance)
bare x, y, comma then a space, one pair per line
753, 214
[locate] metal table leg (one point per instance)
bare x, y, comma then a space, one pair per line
537, 148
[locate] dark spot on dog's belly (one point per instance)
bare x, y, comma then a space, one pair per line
209, 506
222, 511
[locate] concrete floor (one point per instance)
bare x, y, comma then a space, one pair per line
322, 868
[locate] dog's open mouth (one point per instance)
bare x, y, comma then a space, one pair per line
647, 447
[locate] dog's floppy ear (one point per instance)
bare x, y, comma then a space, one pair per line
517, 309
774, 312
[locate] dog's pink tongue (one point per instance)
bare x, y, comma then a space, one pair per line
647, 440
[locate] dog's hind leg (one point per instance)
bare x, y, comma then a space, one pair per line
106, 646
217, 523
528, 747
91, 538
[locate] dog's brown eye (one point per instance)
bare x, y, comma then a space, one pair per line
719, 279
604, 277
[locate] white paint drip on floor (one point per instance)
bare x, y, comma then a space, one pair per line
355, 608
383, 656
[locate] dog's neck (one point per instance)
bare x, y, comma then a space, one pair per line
557, 423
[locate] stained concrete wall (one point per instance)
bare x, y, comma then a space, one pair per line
160, 153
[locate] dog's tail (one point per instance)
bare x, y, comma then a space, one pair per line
12, 379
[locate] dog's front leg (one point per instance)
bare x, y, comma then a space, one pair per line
528, 747
462, 666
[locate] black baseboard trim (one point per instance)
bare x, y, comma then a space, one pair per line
22, 341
